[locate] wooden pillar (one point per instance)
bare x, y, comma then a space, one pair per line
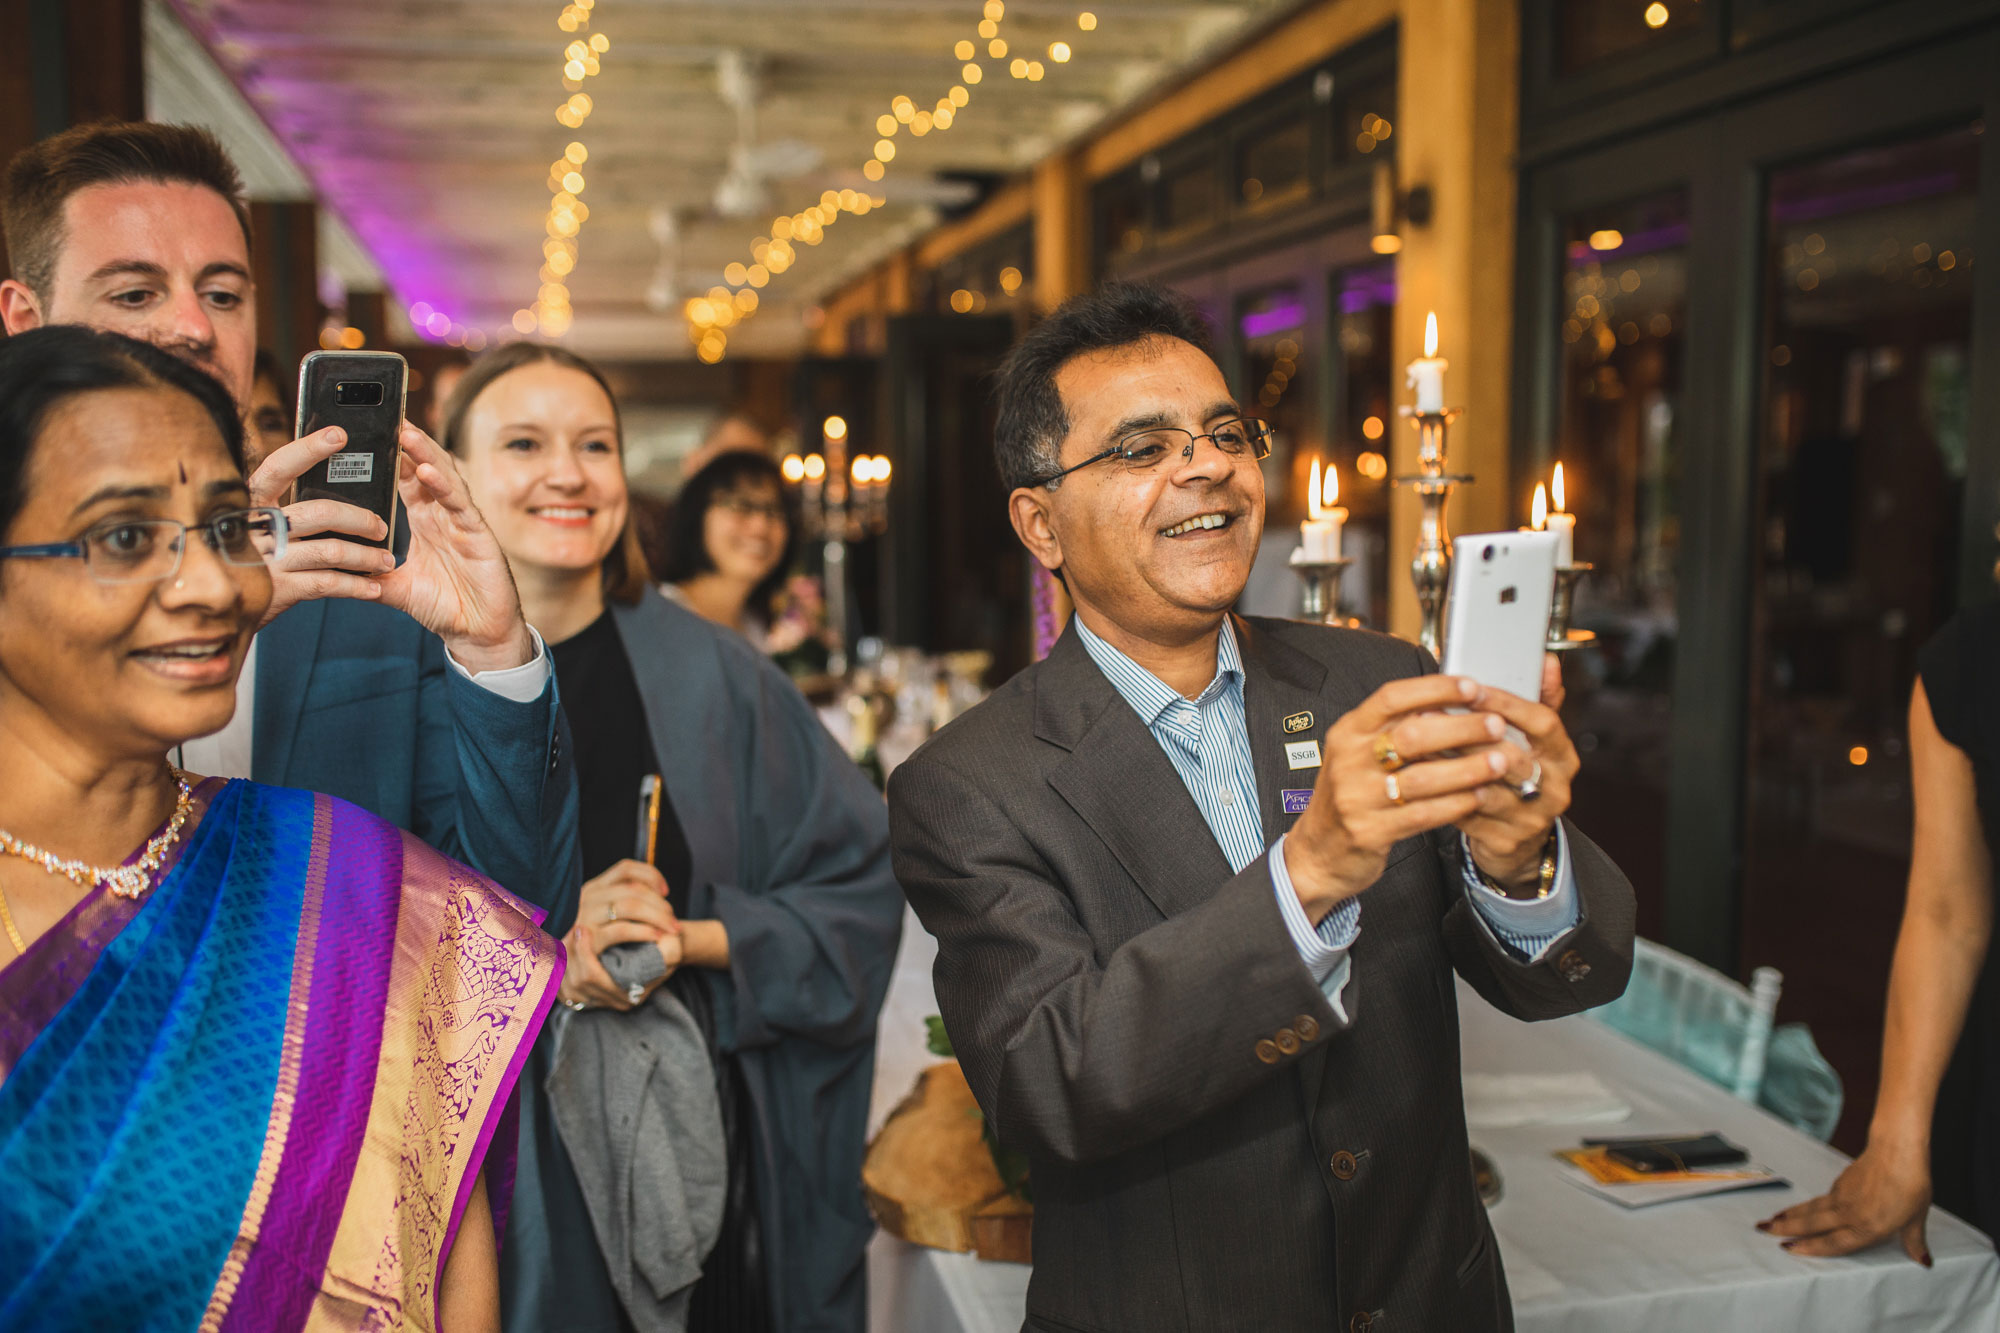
65, 62
1062, 269
1062, 230
1457, 130
285, 264
369, 312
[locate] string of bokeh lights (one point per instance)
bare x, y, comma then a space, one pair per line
552, 313
711, 316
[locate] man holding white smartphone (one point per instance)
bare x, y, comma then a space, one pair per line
415, 689
1199, 884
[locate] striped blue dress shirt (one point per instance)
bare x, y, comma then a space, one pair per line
1208, 740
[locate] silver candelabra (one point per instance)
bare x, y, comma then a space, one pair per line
840, 502
1430, 567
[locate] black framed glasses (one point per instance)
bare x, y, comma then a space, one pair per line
1144, 450
146, 550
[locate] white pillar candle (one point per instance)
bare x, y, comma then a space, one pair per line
1426, 375
1562, 523
1319, 535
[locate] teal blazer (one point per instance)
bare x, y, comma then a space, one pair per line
356, 700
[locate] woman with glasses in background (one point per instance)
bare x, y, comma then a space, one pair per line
733, 534
734, 1064
236, 1090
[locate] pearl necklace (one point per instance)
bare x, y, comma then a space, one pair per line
127, 881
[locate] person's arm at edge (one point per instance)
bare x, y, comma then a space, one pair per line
469, 1290
1947, 926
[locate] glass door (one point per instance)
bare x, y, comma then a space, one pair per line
1783, 438
1868, 265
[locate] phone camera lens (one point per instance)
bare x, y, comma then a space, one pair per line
358, 393
1487, 554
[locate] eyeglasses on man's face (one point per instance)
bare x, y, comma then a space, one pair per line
1144, 450
147, 550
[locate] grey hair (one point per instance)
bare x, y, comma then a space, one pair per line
1031, 421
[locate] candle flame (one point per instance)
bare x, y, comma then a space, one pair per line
835, 428
1556, 491
815, 467
1332, 496
1538, 513
882, 467
794, 468
1431, 334
862, 470
1312, 492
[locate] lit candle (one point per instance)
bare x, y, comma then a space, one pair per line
1319, 535
1538, 511
1426, 375
1562, 523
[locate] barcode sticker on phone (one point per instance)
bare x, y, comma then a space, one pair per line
351, 467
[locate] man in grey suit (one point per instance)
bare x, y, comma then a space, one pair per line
1199, 884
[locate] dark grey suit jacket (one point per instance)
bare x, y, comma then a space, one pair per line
1211, 1147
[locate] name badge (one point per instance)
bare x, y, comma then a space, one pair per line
1302, 754
1297, 800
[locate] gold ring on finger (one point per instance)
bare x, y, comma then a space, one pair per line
1385, 752
1392, 788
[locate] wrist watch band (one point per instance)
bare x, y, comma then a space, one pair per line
1545, 874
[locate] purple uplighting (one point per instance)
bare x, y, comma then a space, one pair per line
1276, 319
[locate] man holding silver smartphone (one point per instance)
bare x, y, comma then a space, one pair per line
415, 689
1200, 883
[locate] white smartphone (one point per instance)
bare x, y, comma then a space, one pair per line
1497, 615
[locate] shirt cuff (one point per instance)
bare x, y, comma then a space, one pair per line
1324, 950
1528, 927
522, 684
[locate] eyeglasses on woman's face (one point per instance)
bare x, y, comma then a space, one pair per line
147, 550
1144, 450
748, 507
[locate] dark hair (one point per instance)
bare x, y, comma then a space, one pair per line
267, 369
41, 178
625, 573
1032, 422
44, 368
687, 545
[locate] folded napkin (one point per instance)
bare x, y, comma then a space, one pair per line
1504, 1101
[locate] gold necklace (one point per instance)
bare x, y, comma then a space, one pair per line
127, 881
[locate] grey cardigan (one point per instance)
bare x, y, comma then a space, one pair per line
790, 850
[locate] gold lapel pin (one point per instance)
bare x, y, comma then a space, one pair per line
1297, 723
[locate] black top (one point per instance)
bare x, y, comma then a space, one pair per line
613, 750
1960, 669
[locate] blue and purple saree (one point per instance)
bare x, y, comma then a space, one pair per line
259, 1096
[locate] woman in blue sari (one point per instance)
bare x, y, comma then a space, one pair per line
255, 1044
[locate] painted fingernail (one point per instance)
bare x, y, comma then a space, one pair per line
1467, 688
1497, 762
1765, 1225
1494, 726
1927, 1260
1789, 1245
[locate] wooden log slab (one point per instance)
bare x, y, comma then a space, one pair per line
930, 1180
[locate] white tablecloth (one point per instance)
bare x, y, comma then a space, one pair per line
1574, 1262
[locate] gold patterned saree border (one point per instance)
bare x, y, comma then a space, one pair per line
465, 985
291, 1058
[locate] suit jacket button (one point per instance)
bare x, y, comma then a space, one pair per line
1572, 967
1343, 1165
1288, 1041
1307, 1027
1267, 1051
1361, 1323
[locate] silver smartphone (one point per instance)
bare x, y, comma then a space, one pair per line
1497, 615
